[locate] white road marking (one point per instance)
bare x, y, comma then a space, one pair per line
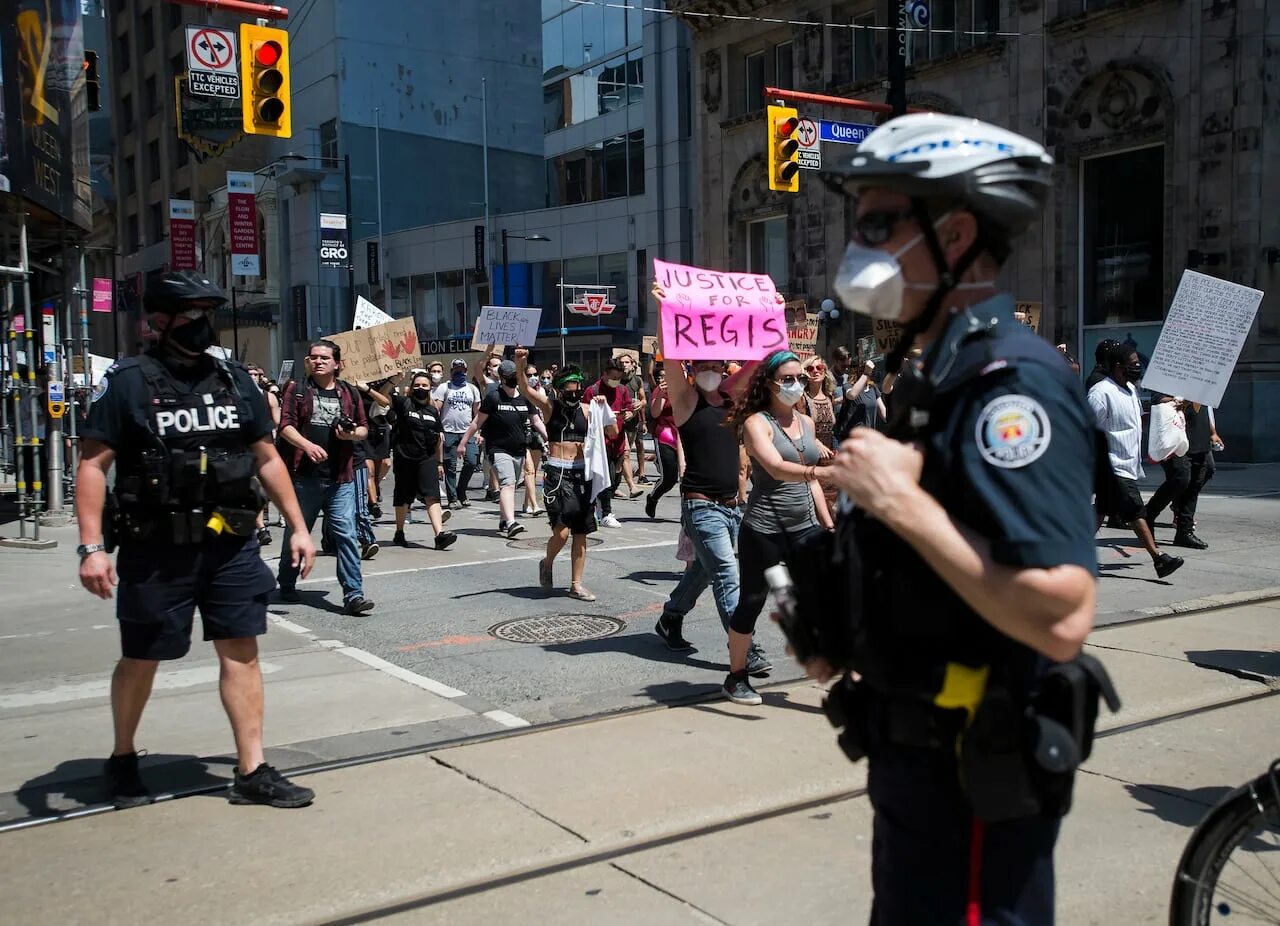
101, 688
49, 633
489, 562
288, 625
506, 719
395, 671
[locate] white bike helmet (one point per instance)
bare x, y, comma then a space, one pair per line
1001, 176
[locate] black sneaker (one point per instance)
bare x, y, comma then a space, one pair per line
445, 515
515, 528
123, 783
399, 540
1167, 565
737, 688
643, 481
758, 663
445, 539
264, 537
651, 507
264, 785
290, 595
1189, 540
369, 550
358, 606
668, 627
375, 511
492, 496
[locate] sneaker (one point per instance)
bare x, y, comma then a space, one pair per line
455, 505
264, 537
264, 785
1167, 565
290, 595
463, 503
369, 550
581, 593
358, 606
1190, 540
375, 511
445, 539
643, 481
445, 515
492, 496
610, 521
399, 540
546, 574
758, 663
651, 507
668, 627
123, 783
737, 688
514, 528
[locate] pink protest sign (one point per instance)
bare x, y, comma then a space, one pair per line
718, 315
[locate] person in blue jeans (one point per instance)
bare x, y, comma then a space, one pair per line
322, 418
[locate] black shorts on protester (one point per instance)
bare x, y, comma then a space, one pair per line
161, 587
1120, 498
567, 495
378, 445
415, 479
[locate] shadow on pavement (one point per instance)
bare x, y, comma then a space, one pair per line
653, 576
1254, 664
527, 592
79, 781
310, 599
642, 646
1183, 806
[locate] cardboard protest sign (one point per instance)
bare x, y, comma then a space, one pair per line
887, 335
1030, 314
505, 325
714, 315
649, 345
382, 351
368, 314
803, 336
286, 372
1202, 337
867, 348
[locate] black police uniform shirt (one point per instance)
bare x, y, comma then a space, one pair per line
1009, 454
417, 433
121, 413
507, 428
322, 431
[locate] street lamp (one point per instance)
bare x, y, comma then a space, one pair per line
506, 270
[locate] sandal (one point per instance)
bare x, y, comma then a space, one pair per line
545, 577
581, 592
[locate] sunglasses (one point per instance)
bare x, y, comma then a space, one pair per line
818, 367
875, 228
790, 380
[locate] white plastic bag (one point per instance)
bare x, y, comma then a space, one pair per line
1168, 437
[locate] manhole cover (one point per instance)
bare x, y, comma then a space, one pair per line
559, 628
540, 543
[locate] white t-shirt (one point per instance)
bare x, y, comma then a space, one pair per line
456, 404
1119, 414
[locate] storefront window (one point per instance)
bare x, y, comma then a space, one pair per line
453, 302
426, 311
399, 306
1122, 238
767, 249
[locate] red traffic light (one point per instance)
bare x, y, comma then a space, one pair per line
786, 127
268, 54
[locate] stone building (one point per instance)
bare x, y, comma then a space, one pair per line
1159, 114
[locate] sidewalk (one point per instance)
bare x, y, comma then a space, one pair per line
706, 813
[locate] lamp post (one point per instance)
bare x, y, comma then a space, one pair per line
506, 269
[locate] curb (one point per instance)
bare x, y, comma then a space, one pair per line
1190, 606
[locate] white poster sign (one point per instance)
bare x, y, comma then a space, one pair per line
499, 324
1202, 338
368, 314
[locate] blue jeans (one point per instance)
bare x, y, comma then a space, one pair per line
713, 530
455, 483
364, 524
338, 501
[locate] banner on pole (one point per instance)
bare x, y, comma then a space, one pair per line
182, 234
242, 223
102, 293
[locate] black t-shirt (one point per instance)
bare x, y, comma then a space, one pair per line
507, 428
121, 404
321, 431
417, 432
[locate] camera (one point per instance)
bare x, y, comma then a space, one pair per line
344, 423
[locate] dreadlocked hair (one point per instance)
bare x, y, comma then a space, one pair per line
758, 395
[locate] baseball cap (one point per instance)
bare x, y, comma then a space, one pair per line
457, 363
507, 368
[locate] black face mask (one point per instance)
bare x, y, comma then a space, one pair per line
570, 398
194, 337
1133, 372
420, 394
510, 382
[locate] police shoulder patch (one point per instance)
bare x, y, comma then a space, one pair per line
1012, 431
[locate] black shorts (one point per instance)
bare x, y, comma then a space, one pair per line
378, 445
415, 479
1120, 498
161, 586
567, 495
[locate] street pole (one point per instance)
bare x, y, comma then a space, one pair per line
506, 272
899, 36
377, 174
235, 326
563, 362
484, 126
351, 219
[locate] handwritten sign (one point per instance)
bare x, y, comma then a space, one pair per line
887, 335
371, 354
649, 345
715, 315
1029, 313
368, 314
505, 325
1202, 337
803, 336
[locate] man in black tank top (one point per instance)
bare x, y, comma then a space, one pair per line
709, 510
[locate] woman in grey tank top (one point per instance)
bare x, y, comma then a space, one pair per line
786, 502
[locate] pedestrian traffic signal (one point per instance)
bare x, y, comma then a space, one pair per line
784, 149
264, 79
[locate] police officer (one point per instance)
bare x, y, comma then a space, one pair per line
188, 434
978, 555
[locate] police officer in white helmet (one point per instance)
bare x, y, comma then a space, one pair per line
188, 434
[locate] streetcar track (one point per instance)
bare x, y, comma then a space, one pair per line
712, 695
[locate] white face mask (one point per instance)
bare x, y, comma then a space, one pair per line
790, 393
708, 380
436, 378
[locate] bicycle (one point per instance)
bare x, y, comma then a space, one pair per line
1226, 874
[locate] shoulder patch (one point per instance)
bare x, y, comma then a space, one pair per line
1012, 431
104, 382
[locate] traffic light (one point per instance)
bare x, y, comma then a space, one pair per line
784, 149
92, 86
264, 79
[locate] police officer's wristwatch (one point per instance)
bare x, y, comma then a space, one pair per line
88, 549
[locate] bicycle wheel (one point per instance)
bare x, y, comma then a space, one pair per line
1230, 871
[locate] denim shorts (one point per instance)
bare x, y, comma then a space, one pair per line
509, 469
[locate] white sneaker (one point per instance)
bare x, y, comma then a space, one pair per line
610, 521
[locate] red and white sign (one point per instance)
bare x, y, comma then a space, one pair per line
592, 304
102, 294
182, 235
242, 223
807, 133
